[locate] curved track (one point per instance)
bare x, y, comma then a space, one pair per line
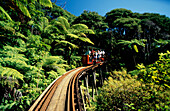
63, 93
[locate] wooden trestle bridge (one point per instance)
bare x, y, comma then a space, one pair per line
66, 94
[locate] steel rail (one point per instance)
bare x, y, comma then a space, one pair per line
63, 93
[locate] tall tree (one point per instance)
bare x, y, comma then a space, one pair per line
92, 19
117, 14
70, 37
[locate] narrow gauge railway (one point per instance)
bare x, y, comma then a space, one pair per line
63, 93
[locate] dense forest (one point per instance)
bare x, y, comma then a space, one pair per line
40, 41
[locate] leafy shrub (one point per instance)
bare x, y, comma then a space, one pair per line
29, 79
158, 72
124, 92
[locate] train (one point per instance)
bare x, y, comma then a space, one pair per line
93, 55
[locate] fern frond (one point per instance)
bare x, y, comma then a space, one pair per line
161, 41
73, 36
87, 31
63, 42
20, 35
3, 11
31, 22
48, 29
10, 72
60, 37
60, 27
7, 26
79, 26
61, 71
44, 22
46, 3
63, 21
14, 49
85, 39
23, 8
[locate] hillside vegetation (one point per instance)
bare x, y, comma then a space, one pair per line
40, 41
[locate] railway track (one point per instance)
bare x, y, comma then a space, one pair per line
63, 93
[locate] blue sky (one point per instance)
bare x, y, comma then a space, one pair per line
77, 7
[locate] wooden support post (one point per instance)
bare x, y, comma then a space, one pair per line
87, 86
101, 76
94, 83
82, 95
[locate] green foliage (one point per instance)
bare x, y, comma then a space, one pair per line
64, 22
55, 62
116, 14
158, 72
40, 41
133, 43
9, 76
76, 61
7, 15
92, 19
123, 92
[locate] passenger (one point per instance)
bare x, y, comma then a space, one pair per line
89, 53
99, 55
92, 53
103, 53
100, 52
95, 55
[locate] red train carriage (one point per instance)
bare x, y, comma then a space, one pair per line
93, 55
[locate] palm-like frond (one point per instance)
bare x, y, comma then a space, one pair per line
43, 26
3, 11
79, 26
44, 22
23, 8
133, 43
10, 72
60, 27
46, 3
85, 39
87, 31
161, 41
55, 63
48, 29
73, 36
65, 43
20, 35
7, 73
31, 22
64, 22
7, 26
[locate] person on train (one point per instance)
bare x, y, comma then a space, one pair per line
95, 56
103, 53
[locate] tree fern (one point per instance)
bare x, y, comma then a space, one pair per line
55, 63
7, 72
133, 43
12, 52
